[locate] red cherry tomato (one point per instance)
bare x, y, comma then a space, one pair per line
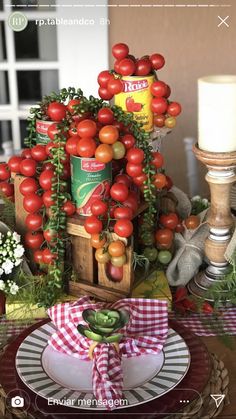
128, 140
108, 134
33, 240
159, 181
139, 180
103, 78
169, 183
125, 179
73, 130
34, 221
104, 153
120, 51
104, 93
28, 186
159, 120
116, 66
131, 202
126, 67
207, 308
168, 91
86, 147
52, 131
123, 228
38, 256
26, 153
71, 145
123, 212
7, 188
114, 273
192, 222
93, 225
157, 159
4, 172
48, 257
174, 109
50, 234
49, 147
69, 208
47, 199
48, 166
115, 86
159, 105
45, 179
99, 207
159, 88
87, 128
28, 167
134, 170
72, 104
56, 111
66, 173
170, 220
164, 236
105, 116
14, 163
135, 155
32, 203
38, 152
119, 192
143, 67
158, 61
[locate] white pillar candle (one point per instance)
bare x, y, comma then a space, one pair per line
217, 113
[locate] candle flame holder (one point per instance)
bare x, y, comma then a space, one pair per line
220, 177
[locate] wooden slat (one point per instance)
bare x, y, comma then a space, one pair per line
19, 209
83, 259
99, 293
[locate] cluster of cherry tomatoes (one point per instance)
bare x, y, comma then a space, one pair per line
110, 83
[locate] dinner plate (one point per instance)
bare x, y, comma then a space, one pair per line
54, 375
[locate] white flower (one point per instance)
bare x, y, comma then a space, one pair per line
2, 285
16, 237
7, 266
19, 251
205, 201
196, 198
8, 233
1, 271
14, 289
17, 262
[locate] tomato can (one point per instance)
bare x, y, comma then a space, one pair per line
90, 180
136, 98
42, 131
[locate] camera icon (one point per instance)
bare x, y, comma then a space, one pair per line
17, 401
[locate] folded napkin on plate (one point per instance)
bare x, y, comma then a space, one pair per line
145, 333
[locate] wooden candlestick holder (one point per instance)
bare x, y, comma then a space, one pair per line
220, 177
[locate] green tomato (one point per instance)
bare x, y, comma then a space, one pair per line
164, 256
118, 260
119, 150
148, 238
150, 253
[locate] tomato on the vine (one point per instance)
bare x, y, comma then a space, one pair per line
108, 134
192, 222
123, 212
28, 186
123, 228
143, 67
174, 109
159, 105
32, 203
126, 67
115, 86
134, 170
159, 120
125, 179
169, 183
72, 104
164, 236
105, 116
33, 240
71, 145
139, 180
119, 150
45, 179
119, 192
170, 220
86, 147
104, 153
26, 153
49, 235
128, 140
69, 208
34, 221
131, 202
7, 188
4, 172
97, 241
120, 51
14, 163
104, 93
38, 256
87, 128
170, 122
99, 207
157, 60
159, 181
28, 167
150, 253
56, 111
164, 257
104, 77
119, 261
73, 130
135, 155
93, 225
48, 257
38, 152
158, 88
157, 159
53, 130
102, 256
47, 199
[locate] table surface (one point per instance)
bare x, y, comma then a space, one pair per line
228, 356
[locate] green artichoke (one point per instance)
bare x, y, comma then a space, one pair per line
102, 324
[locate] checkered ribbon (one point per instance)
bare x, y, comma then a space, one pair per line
145, 333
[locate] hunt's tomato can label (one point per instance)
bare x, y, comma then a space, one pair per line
42, 131
136, 98
89, 180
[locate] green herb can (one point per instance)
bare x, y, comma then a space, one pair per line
42, 131
89, 180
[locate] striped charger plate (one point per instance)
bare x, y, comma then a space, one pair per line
68, 380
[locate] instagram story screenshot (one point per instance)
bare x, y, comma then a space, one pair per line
117, 209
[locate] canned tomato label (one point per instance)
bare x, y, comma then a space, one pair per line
136, 98
42, 131
89, 180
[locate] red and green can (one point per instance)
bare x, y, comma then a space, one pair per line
42, 131
89, 180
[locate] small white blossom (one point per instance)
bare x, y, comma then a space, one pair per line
16, 237
196, 198
1, 271
14, 289
19, 251
2, 285
205, 201
7, 266
17, 262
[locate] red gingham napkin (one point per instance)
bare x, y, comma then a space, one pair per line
145, 333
